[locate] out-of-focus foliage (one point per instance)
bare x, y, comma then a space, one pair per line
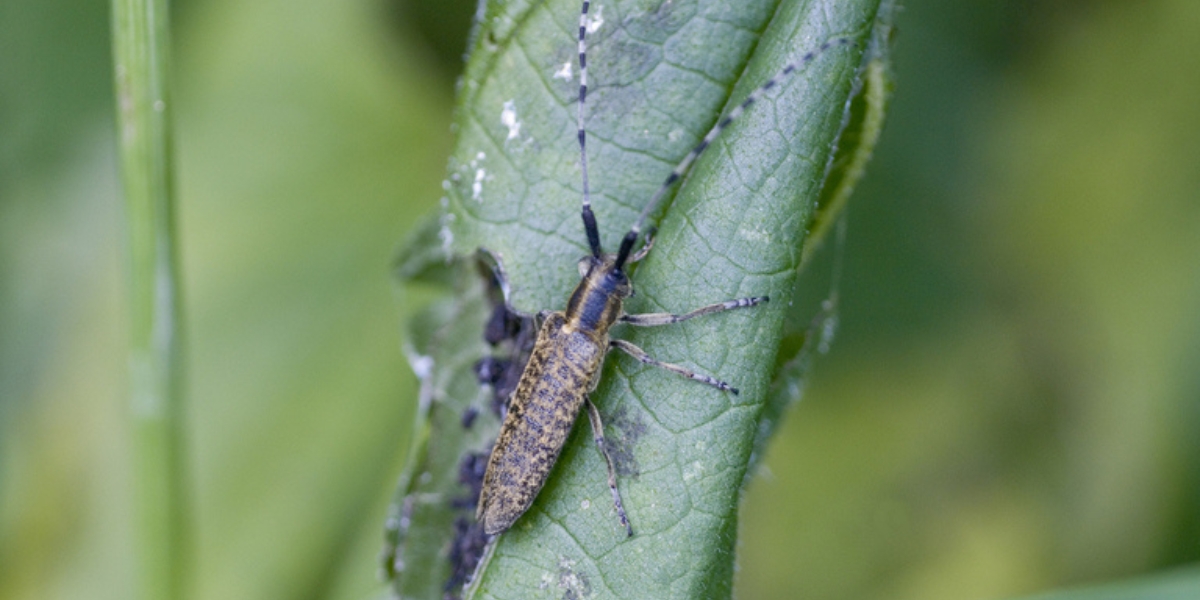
1177, 584
310, 136
1014, 400
1012, 404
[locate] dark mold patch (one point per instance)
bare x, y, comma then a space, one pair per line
511, 336
470, 473
621, 447
469, 543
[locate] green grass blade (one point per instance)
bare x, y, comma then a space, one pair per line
140, 50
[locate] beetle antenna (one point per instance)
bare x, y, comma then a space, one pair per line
630, 238
589, 218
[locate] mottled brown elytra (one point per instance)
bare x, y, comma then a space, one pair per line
564, 366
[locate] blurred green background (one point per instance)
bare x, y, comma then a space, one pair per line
1012, 404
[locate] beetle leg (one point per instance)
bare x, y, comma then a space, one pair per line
654, 319
598, 435
646, 246
644, 358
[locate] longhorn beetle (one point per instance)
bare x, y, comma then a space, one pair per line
571, 345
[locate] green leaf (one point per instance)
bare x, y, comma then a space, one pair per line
1178, 585
805, 334
443, 343
661, 74
857, 142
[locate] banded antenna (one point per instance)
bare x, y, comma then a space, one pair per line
589, 218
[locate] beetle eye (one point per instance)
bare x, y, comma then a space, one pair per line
585, 265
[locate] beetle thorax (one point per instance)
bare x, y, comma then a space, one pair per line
596, 302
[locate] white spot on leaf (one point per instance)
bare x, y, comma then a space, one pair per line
444, 232
477, 186
481, 175
595, 22
508, 118
755, 234
422, 365
564, 72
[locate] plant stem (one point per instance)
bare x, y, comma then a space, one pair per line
141, 61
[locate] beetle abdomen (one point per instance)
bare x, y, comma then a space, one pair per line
552, 388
